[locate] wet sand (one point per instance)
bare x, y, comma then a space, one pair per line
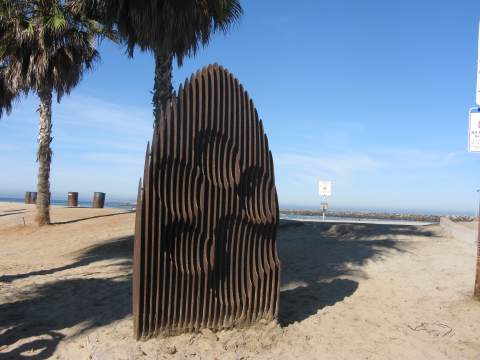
349, 291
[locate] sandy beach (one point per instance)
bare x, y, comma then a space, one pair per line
473, 225
349, 291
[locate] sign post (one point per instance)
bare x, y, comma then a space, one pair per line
476, 290
324, 190
477, 97
474, 147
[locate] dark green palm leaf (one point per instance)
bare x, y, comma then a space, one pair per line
45, 44
178, 27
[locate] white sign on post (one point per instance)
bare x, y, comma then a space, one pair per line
325, 188
474, 132
474, 113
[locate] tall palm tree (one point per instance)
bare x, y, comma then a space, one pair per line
168, 28
45, 47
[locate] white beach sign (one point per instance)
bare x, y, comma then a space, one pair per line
474, 132
325, 188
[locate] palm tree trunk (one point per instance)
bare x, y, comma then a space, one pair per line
44, 157
162, 86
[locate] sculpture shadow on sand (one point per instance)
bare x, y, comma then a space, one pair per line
317, 261
315, 274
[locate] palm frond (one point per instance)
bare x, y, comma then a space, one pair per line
56, 21
178, 27
8, 95
44, 44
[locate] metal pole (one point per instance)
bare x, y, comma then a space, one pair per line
476, 291
324, 207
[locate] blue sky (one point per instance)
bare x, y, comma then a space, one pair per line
372, 95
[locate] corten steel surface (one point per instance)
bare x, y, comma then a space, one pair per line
205, 252
98, 200
73, 199
30, 197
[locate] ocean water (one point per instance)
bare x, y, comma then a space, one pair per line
82, 203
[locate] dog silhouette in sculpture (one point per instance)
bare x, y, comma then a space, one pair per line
207, 212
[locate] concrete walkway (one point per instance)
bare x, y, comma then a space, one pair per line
459, 230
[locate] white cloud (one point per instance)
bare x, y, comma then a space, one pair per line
104, 115
411, 158
7, 148
112, 158
97, 144
329, 164
297, 175
127, 144
101, 144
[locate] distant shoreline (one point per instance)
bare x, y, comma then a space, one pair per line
374, 215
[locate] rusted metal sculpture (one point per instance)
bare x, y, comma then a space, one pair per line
205, 252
